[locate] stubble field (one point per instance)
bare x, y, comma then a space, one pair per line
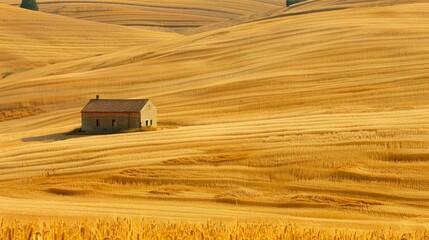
314, 118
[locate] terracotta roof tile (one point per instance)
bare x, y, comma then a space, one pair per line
114, 105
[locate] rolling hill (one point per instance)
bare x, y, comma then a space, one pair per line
305, 117
165, 16
34, 39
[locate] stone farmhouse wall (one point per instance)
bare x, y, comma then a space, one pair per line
109, 122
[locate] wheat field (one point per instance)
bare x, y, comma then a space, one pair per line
123, 228
298, 123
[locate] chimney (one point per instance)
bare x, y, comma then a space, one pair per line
97, 97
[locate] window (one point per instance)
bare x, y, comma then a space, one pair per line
97, 122
147, 123
113, 123
151, 122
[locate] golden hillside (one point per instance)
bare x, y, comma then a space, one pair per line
319, 118
171, 15
32, 39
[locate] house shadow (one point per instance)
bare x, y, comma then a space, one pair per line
76, 133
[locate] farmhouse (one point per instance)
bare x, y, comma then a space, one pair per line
111, 115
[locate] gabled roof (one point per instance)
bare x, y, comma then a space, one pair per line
114, 105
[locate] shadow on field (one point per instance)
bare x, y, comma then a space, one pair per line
76, 133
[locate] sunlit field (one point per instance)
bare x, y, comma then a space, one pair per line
143, 229
308, 122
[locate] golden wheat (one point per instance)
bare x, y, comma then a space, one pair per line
319, 117
123, 228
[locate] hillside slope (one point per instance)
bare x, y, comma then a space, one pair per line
32, 39
306, 118
361, 53
168, 15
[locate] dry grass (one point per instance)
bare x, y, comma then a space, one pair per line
135, 229
319, 118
